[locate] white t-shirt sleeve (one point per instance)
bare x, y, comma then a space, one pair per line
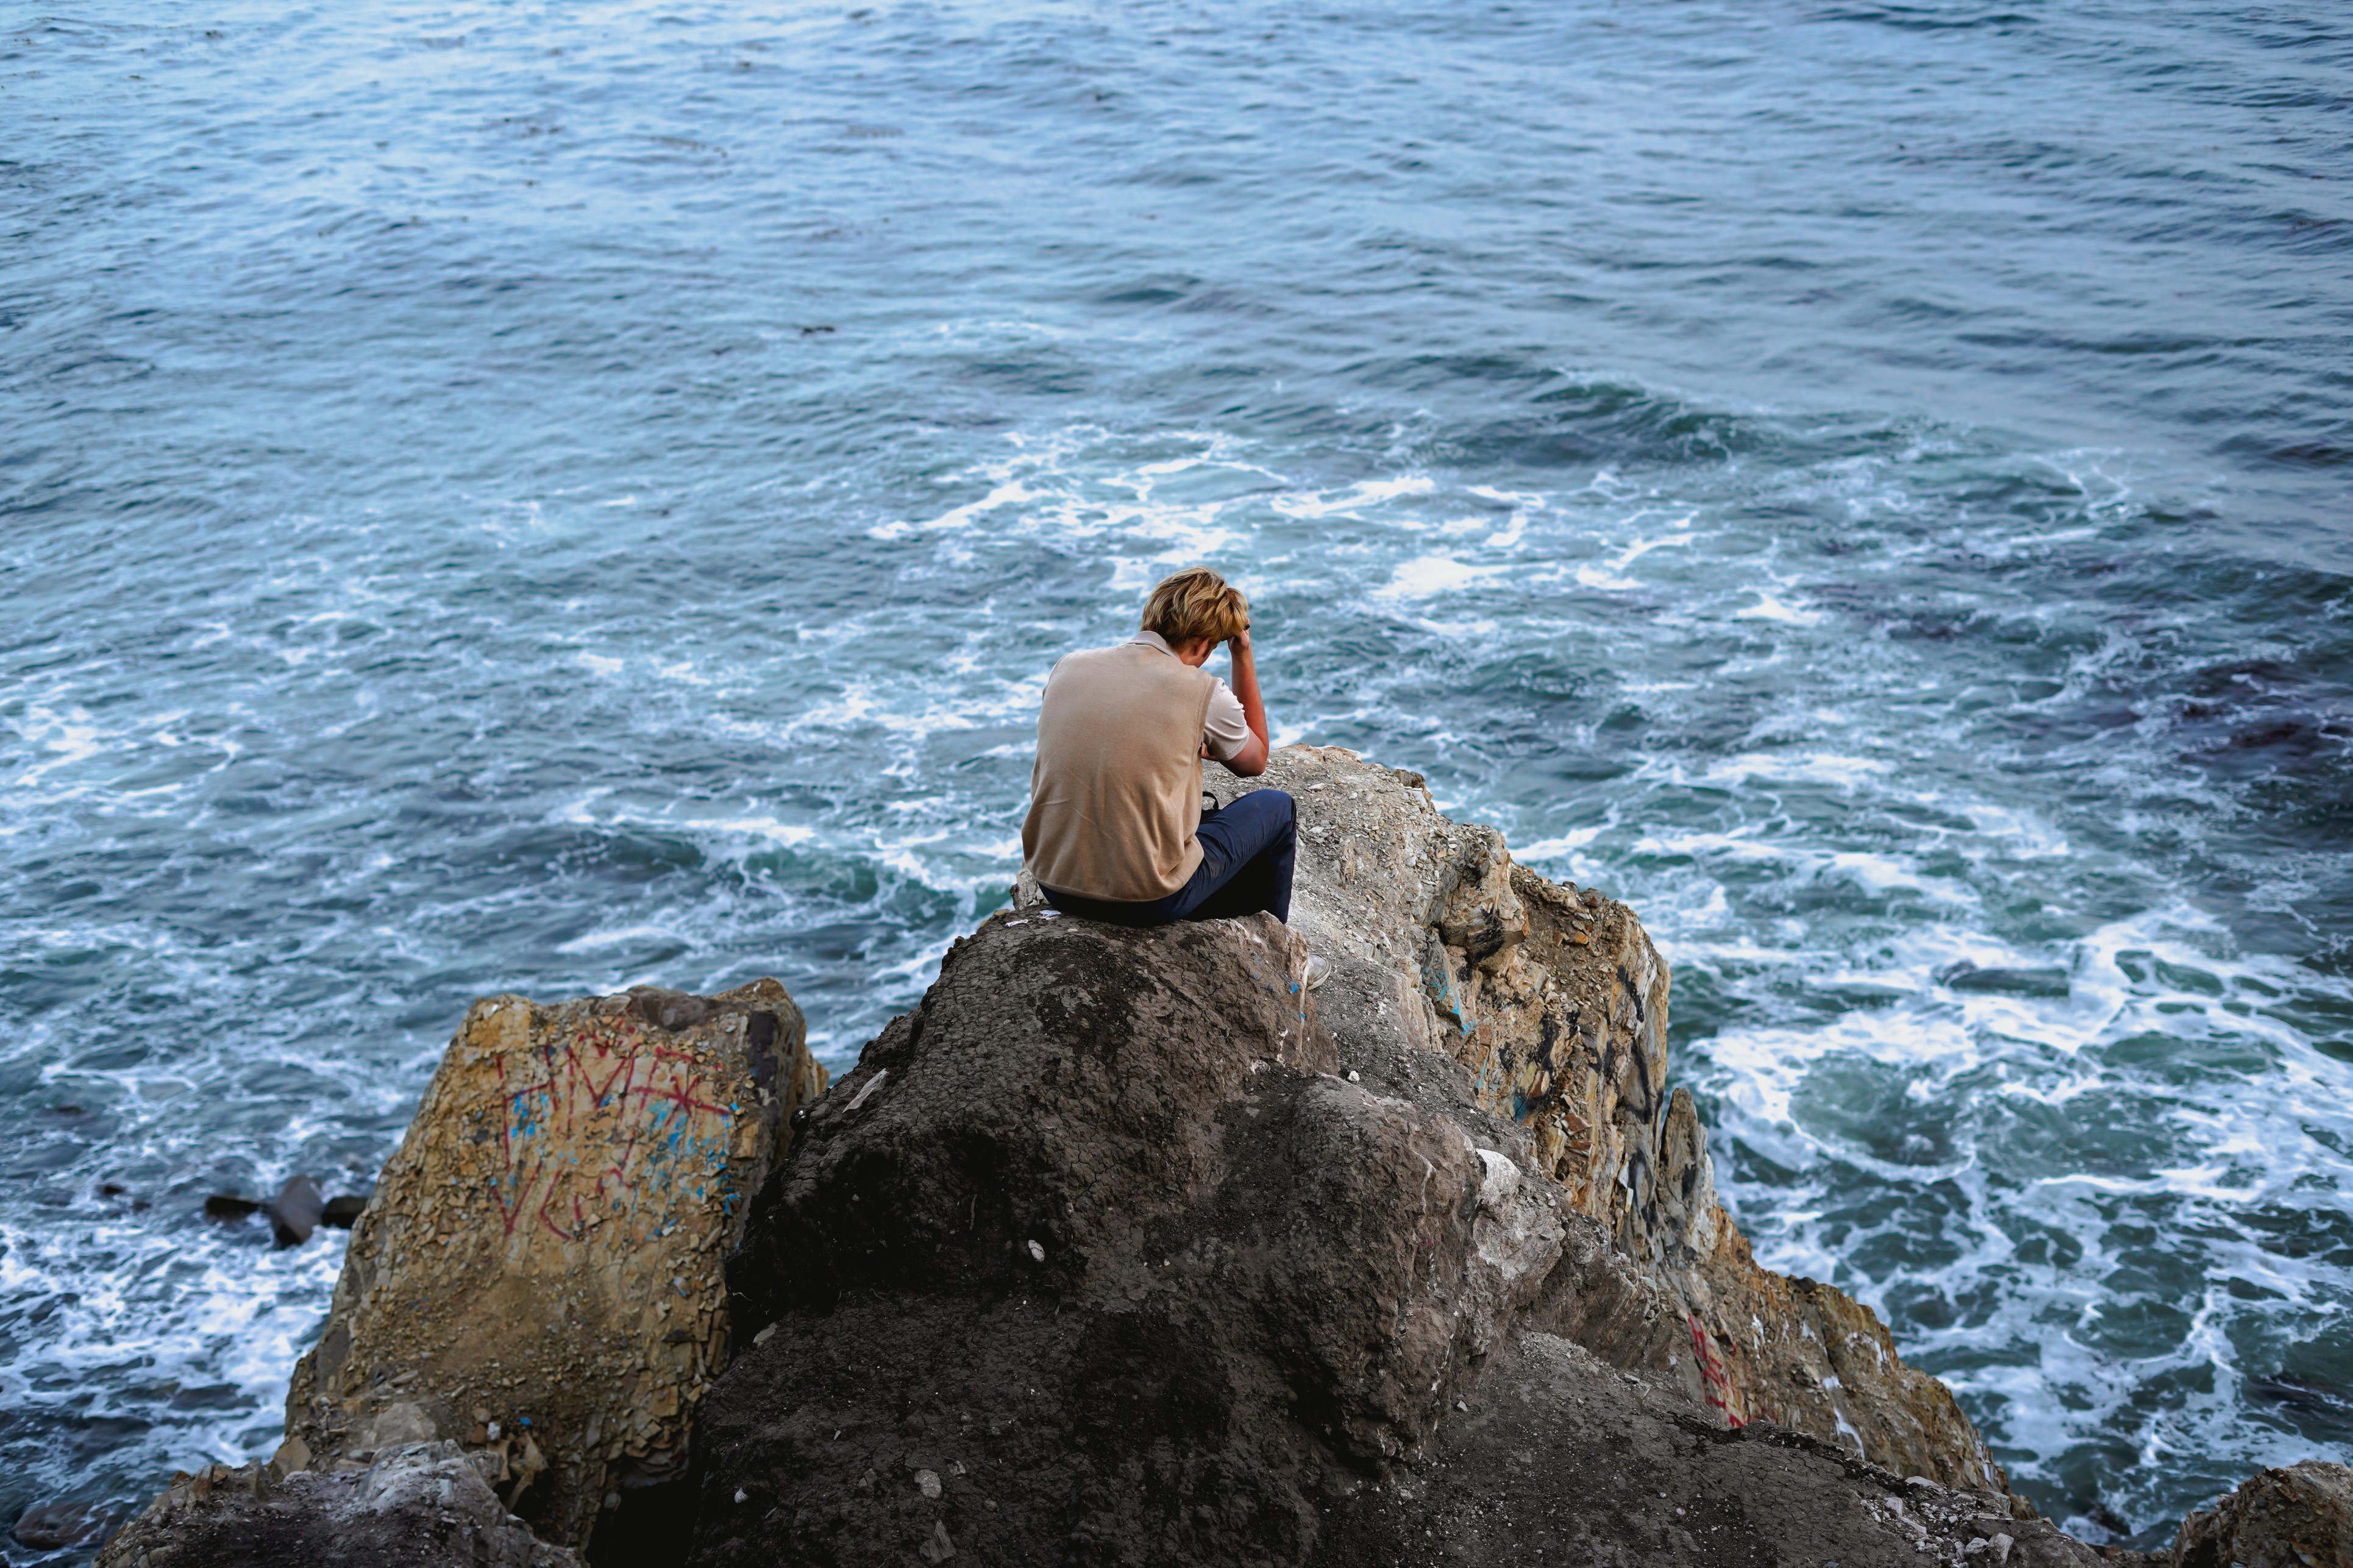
1225, 732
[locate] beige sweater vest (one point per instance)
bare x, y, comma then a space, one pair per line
1115, 795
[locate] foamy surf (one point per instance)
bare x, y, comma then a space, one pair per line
475, 554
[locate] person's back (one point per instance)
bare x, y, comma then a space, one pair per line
1114, 829
1116, 795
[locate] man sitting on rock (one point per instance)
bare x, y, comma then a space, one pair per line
1115, 830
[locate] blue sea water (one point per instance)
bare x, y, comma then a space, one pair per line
544, 496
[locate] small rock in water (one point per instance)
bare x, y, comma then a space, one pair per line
295, 1212
344, 1212
47, 1526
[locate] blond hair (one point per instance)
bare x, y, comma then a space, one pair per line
1195, 603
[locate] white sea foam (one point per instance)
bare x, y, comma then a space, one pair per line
1564, 845
1366, 495
788, 833
1427, 576
620, 936
1013, 492
1814, 767
1769, 607
1611, 574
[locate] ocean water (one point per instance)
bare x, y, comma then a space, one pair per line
518, 496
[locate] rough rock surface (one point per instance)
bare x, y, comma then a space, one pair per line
1556, 1000
1122, 1249
2298, 1517
537, 1275
422, 1505
1658, 1481
1080, 1234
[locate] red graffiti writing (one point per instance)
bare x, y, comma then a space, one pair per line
1712, 1373
607, 1118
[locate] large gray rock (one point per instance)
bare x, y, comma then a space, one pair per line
1094, 1235
1554, 1000
420, 1505
1122, 1248
2298, 1517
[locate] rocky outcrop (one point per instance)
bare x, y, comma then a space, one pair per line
2298, 1517
1098, 1237
1556, 1000
423, 1505
1123, 1248
537, 1275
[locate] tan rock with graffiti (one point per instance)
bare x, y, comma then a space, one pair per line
1554, 998
537, 1276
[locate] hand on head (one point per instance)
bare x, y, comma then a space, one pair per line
1197, 651
1195, 610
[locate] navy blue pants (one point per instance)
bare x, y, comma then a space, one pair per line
1246, 854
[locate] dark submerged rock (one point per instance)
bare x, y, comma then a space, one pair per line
50, 1526
295, 1212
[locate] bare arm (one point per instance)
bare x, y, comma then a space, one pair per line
1251, 760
